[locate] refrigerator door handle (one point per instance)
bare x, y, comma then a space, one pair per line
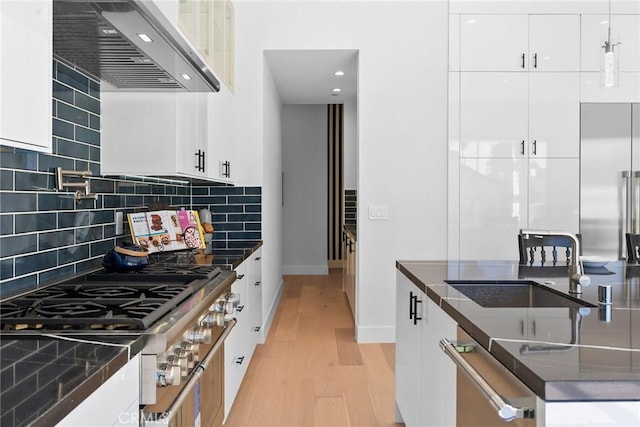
634, 202
625, 211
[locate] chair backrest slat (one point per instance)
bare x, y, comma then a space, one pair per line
534, 244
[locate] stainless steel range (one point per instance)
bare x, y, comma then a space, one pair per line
183, 310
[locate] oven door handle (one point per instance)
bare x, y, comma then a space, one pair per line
506, 411
164, 418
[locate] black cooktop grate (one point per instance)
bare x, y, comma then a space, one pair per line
95, 305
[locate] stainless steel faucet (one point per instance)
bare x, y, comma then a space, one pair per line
577, 278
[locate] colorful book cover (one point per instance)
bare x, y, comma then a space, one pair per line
168, 230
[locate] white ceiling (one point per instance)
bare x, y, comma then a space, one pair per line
307, 76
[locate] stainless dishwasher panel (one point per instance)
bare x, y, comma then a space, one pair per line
473, 407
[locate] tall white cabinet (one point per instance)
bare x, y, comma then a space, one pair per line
516, 127
26, 37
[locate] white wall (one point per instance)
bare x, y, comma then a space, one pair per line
304, 163
402, 124
350, 145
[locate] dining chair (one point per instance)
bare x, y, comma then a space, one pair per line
536, 248
633, 247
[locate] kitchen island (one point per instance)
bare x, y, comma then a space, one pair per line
580, 361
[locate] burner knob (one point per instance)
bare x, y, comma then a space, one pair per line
218, 306
187, 356
180, 361
229, 308
233, 298
167, 375
199, 335
213, 319
190, 350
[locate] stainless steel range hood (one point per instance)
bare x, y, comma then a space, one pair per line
102, 38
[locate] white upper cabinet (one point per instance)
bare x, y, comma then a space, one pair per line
493, 114
155, 133
624, 29
221, 135
554, 43
493, 42
554, 111
519, 42
519, 114
26, 73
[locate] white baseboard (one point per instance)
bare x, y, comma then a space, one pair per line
298, 270
375, 334
266, 325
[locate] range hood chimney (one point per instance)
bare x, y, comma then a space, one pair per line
102, 37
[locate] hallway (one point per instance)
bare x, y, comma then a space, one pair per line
310, 371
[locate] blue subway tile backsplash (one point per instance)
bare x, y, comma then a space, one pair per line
46, 235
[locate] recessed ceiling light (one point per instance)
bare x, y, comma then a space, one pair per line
186, 76
336, 90
339, 73
145, 38
109, 31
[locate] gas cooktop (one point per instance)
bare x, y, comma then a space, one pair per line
105, 301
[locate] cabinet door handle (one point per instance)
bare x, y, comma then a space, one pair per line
201, 161
256, 329
416, 301
505, 411
239, 308
257, 283
226, 169
239, 360
535, 60
204, 162
523, 56
522, 147
240, 277
258, 258
535, 148
411, 313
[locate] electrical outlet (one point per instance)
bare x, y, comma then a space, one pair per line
119, 223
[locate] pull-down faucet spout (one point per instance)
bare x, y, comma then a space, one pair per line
577, 278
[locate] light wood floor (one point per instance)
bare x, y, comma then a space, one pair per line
310, 371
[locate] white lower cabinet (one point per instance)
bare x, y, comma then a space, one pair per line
425, 377
241, 342
114, 403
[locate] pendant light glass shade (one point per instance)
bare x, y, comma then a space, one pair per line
609, 69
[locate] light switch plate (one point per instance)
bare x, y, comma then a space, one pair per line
377, 212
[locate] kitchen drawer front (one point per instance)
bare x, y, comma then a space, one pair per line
473, 408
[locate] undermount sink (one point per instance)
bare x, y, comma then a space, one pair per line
513, 294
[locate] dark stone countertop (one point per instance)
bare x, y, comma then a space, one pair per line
560, 353
233, 257
44, 378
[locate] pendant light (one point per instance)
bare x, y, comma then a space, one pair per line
609, 72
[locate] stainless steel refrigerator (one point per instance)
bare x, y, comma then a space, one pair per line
609, 177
